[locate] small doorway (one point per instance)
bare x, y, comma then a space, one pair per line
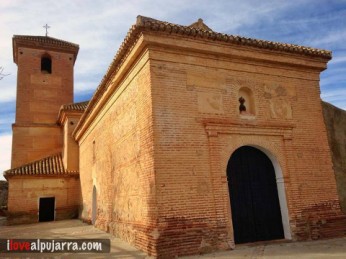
255, 205
94, 206
46, 209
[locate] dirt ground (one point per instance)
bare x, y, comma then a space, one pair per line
332, 248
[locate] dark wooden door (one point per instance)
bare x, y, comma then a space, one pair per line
254, 197
46, 209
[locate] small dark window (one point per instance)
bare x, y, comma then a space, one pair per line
46, 65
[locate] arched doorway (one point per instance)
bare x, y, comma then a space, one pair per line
94, 206
254, 197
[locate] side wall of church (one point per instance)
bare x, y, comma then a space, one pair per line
198, 125
116, 160
25, 193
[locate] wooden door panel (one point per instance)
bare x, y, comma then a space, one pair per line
254, 199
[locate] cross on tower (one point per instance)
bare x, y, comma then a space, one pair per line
46, 27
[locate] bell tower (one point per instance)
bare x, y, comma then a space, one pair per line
44, 83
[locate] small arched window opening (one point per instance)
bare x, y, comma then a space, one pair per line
246, 101
46, 65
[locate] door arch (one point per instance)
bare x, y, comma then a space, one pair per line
255, 205
94, 206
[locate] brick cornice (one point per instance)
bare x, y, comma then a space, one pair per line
214, 127
30, 124
43, 42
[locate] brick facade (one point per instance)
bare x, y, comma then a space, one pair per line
156, 139
197, 126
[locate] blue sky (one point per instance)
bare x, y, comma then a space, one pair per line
100, 26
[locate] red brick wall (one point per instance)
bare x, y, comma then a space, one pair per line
116, 156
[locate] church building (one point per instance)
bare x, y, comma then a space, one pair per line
193, 141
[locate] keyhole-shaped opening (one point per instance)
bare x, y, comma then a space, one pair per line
242, 107
246, 101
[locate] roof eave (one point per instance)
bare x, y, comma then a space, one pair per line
47, 166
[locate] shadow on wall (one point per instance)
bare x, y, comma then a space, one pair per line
335, 120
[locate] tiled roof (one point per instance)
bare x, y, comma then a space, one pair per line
71, 107
45, 39
52, 165
75, 106
195, 30
199, 29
